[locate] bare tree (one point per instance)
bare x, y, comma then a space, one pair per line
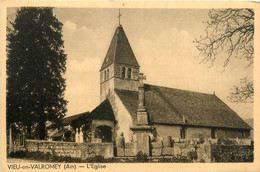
242, 93
230, 34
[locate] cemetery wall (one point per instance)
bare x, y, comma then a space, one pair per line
71, 149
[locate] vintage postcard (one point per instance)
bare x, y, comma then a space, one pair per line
122, 86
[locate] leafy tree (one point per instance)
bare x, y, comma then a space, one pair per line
36, 64
230, 34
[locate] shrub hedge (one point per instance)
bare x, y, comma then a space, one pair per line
232, 153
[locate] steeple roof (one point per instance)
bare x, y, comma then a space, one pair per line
119, 51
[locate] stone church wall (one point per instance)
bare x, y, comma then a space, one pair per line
106, 85
165, 130
71, 149
220, 133
123, 118
118, 71
196, 132
126, 84
174, 131
232, 133
235, 133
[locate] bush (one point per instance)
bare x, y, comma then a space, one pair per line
97, 158
112, 160
233, 153
141, 157
180, 159
18, 154
193, 155
201, 140
165, 159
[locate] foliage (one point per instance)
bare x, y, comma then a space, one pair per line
230, 34
201, 140
180, 159
193, 155
36, 64
165, 159
233, 153
97, 158
141, 157
18, 154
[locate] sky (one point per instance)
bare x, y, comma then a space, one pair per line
162, 41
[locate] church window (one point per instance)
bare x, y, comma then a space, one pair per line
182, 133
213, 133
129, 73
123, 72
105, 75
243, 134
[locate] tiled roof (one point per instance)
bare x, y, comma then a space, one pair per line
119, 51
102, 112
69, 119
168, 106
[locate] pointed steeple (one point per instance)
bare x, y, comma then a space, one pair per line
120, 51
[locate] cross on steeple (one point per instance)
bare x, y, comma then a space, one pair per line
119, 15
141, 77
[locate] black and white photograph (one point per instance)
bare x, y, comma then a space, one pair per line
94, 86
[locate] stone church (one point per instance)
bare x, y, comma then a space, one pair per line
140, 112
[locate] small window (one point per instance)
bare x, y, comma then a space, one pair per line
213, 133
129, 71
182, 133
243, 134
105, 75
123, 72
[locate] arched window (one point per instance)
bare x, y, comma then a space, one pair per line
123, 72
129, 71
105, 75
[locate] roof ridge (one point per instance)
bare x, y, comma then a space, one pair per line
106, 99
178, 89
117, 32
168, 88
76, 114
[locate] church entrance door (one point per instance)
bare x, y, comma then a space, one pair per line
104, 133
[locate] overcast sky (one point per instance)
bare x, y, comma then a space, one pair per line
162, 43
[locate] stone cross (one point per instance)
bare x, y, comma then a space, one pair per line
119, 15
141, 78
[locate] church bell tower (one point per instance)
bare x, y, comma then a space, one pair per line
120, 69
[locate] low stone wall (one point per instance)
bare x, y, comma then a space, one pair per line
127, 150
182, 149
71, 149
